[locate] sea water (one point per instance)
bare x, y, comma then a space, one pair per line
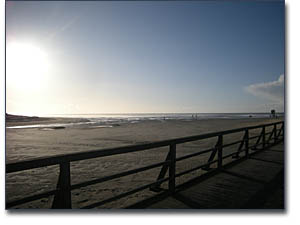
112, 120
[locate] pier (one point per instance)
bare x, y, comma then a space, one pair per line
247, 177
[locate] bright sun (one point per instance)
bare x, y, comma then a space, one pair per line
26, 65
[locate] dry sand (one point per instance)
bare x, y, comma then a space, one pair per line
33, 143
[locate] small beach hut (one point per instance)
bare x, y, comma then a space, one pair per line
273, 113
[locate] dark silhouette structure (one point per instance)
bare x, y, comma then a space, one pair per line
249, 147
273, 113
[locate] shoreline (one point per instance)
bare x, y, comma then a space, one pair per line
18, 121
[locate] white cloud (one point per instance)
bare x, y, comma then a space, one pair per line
272, 91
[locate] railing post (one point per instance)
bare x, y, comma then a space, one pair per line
263, 137
172, 168
275, 134
62, 200
247, 143
282, 127
220, 151
162, 173
211, 157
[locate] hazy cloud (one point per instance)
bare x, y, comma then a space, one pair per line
273, 90
63, 28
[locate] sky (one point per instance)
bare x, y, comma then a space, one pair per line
144, 57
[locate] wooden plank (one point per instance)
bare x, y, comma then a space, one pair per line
255, 169
271, 156
221, 191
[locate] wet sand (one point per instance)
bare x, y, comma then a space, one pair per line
34, 142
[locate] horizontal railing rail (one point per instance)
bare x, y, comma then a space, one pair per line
62, 194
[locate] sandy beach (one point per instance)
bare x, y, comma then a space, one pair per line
32, 143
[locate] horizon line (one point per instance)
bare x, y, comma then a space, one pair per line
26, 114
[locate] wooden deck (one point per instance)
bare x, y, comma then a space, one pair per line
253, 183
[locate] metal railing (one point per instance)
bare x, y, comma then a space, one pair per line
62, 193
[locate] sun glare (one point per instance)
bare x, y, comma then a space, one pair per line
26, 65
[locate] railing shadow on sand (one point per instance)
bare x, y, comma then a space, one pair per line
62, 193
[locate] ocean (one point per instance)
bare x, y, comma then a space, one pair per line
112, 120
